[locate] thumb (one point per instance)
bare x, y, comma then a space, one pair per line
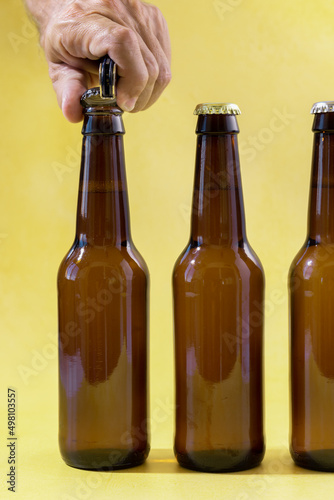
69, 84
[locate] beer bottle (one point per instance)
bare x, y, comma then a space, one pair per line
218, 284
311, 283
103, 314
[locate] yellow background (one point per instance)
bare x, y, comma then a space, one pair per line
274, 59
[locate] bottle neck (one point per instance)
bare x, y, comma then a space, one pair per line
218, 211
103, 212
321, 205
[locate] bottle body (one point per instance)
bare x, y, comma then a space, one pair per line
218, 285
218, 349
103, 317
311, 285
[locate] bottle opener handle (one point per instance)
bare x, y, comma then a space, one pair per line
107, 77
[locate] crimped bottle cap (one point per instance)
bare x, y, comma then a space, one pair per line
217, 108
92, 98
322, 107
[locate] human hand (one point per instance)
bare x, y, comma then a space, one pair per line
77, 33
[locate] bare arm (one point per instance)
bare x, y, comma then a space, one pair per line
76, 33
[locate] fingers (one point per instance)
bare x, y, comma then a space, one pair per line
142, 66
158, 67
151, 30
139, 45
126, 49
69, 85
97, 36
160, 30
154, 43
127, 98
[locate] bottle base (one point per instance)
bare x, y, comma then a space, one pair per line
104, 459
321, 460
220, 460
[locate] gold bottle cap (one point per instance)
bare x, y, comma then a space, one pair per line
92, 97
322, 107
217, 108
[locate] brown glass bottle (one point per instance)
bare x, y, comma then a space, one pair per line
311, 284
103, 312
218, 284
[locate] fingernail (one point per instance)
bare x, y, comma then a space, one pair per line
63, 100
129, 105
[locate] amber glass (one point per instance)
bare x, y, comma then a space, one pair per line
311, 283
218, 284
103, 315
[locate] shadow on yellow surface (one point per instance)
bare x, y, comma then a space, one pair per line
276, 461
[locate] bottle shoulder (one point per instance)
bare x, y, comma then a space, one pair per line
81, 258
202, 258
312, 257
